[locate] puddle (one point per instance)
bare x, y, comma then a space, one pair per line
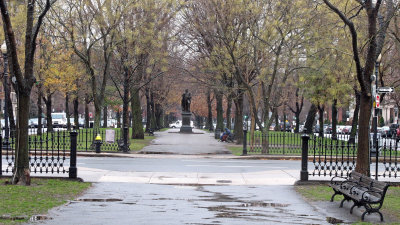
129, 203
224, 181
39, 218
333, 220
264, 204
9, 217
100, 200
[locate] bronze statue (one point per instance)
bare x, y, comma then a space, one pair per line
186, 99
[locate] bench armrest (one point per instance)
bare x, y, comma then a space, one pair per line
366, 198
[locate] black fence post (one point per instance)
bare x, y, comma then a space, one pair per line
304, 157
73, 171
244, 142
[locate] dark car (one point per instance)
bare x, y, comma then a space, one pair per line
329, 129
392, 130
288, 127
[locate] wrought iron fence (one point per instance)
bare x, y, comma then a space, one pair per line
332, 157
282, 143
49, 153
112, 139
59, 139
329, 157
285, 143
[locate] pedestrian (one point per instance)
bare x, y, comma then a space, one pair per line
225, 135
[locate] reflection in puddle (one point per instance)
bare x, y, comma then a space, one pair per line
39, 217
224, 181
99, 200
264, 204
332, 220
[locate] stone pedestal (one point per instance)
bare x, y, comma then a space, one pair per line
186, 128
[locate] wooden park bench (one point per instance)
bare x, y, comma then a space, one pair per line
362, 190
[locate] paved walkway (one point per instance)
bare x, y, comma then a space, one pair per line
194, 187
173, 142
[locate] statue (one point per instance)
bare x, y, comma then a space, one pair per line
186, 99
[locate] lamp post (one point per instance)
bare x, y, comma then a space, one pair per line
4, 51
375, 119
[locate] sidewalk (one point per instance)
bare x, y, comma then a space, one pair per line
192, 183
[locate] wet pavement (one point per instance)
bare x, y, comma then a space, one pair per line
192, 187
124, 203
173, 142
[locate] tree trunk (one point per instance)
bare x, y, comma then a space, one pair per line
105, 125
118, 119
310, 119
334, 119
159, 116
297, 129
153, 124
228, 112
76, 112
97, 115
239, 118
40, 110
277, 125
209, 124
125, 112
87, 118
49, 105
363, 134
354, 123
137, 126
9, 109
321, 110
220, 110
148, 109
67, 111
21, 167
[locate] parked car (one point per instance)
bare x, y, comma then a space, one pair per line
59, 120
176, 124
381, 143
328, 129
346, 130
385, 131
272, 127
392, 130
34, 123
288, 127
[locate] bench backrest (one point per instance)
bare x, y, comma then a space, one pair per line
373, 185
355, 177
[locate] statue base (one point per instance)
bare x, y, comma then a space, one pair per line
186, 128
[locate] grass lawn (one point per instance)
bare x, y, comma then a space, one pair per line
19, 203
138, 144
391, 205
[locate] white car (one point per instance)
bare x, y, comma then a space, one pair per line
59, 120
176, 124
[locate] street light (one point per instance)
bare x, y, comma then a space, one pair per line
5, 57
376, 112
245, 128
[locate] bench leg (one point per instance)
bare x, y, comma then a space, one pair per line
351, 209
341, 203
380, 214
363, 215
333, 196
